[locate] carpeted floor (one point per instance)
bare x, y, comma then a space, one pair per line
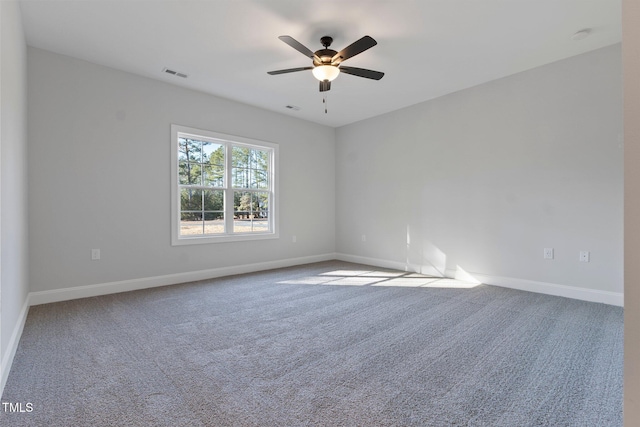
327, 344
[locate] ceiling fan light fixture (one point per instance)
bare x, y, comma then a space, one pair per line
325, 72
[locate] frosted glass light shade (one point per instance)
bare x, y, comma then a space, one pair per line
325, 72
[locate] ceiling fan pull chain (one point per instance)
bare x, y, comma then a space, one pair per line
324, 101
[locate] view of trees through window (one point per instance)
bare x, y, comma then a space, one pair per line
204, 176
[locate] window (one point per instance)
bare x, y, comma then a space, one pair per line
223, 187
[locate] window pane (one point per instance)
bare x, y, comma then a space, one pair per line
189, 149
190, 173
242, 225
190, 199
262, 160
214, 222
260, 179
240, 178
242, 203
250, 168
213, 215
262, 200
212, 153
217, 157
252, 159
251, 212
241, 157
213, 175
182, 151
213, 200
250, 226
191, 223
250, 178
260, 226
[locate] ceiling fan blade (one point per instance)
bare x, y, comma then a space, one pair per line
288, 70
298, 46
353, 49
362, 72
325, 85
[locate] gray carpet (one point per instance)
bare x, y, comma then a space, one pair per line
327, 344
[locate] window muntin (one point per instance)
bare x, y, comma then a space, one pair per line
224, 187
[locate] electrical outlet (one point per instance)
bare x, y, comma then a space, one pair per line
294, 238
95, 254
548, 253
364, 237
584, 256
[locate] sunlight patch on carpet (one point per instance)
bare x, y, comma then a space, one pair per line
381, 278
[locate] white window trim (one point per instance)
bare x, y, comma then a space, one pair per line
176, 239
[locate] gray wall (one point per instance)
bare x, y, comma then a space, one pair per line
483, 179
14, 285
99, 159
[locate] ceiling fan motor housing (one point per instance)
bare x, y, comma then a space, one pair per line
325, 56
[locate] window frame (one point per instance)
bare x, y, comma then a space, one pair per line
229, 141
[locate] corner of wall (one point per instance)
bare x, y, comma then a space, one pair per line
14, 283
12, 347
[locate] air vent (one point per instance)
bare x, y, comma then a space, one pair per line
293, 107
174, 73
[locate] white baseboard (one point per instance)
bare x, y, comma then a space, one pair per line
10, 352
584, 294
46, 297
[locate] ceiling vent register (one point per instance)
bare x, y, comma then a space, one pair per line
174, 73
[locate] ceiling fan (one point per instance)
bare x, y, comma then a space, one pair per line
327, 63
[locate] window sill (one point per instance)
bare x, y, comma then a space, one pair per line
227, 238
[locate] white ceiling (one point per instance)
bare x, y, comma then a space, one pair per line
426, 48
